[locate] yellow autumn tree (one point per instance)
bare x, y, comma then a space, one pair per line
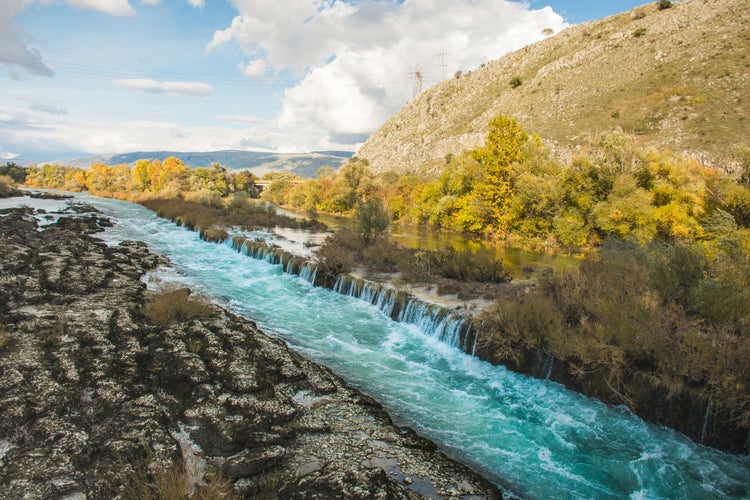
503, 147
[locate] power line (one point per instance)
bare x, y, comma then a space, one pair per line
416, 81
441, 63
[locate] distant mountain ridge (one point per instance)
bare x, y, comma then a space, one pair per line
259, 163
677, 78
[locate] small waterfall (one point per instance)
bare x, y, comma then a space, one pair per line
543, 364
434, 320
705, 422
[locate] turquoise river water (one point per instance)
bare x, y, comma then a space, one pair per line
532, 437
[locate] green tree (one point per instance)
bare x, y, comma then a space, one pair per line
372, 218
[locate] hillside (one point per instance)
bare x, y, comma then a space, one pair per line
677, 78
259, 163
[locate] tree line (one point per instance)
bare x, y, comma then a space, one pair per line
512, 190
170, 178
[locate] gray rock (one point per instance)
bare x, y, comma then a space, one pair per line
97, 402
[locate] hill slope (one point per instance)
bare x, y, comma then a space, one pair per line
301, 164
677, 78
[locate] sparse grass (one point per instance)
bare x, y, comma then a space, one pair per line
171, 305
6, 339
194, 345
175, 483
268, 486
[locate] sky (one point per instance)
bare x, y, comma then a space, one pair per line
86, 77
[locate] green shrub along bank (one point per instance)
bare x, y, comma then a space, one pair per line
457, 272
210, 218
641, 326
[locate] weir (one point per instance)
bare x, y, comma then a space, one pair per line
539, 438
434, 320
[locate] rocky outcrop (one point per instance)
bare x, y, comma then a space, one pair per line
677, 80
98, 402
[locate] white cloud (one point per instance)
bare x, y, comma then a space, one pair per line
112, 7
240, 119
198, 4
44, 107
196, 89
15, 52
354, 59
54, 137
254, 69
6, 155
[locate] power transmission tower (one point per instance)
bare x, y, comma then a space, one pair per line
441, 62
417, 81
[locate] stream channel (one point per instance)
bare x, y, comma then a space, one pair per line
532, 437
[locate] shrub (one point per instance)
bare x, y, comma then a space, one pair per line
6, 187
664, 4
338, 253
372, 219
516, 81
639, 32
171, 305
174, 482
425, 265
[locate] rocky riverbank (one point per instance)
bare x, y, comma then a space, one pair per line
98, 401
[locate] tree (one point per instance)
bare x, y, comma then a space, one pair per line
504, 146
354, 181
372, 219
141, 176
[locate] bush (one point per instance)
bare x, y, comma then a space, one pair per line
425, 265
338, 253
515, 82
171, 305
664, 4
372, 219
6, 187
174, 482
669, 312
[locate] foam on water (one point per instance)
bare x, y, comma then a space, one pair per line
538, 437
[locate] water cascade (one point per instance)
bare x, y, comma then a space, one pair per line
442, 323
532, 436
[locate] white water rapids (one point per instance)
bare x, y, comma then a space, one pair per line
533, 437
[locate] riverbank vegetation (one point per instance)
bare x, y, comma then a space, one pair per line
513, 191
213, 219
659, 309
672, 318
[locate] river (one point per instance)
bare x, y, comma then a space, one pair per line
532, 437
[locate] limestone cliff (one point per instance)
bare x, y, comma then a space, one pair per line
677, 78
